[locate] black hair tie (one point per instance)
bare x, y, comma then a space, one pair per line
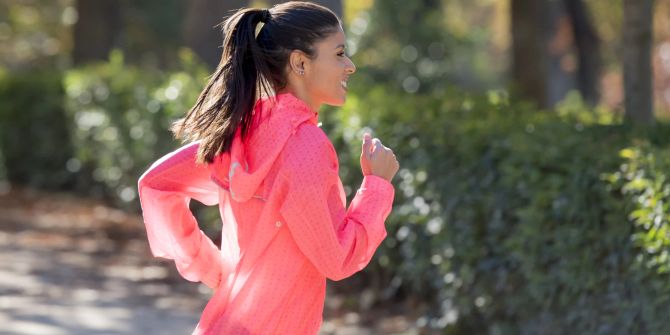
265, 15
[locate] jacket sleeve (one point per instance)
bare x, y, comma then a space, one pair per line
165, 191
339, 241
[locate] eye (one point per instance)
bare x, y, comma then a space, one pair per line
341, 54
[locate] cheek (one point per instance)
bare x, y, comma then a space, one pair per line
327, 76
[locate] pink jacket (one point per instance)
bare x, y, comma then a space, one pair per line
285, 225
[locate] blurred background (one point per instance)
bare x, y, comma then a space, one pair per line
533, 137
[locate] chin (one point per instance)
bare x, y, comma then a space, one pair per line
337, 102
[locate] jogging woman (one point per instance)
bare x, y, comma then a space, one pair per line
256, 151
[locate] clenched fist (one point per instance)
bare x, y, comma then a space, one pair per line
378, 160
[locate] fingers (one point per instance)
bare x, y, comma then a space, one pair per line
377, 159
367, 143
378, 146
375, 147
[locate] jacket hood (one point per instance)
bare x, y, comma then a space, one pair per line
243, 168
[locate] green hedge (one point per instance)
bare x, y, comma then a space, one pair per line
93, 129
121, 115
34, 132
510, 220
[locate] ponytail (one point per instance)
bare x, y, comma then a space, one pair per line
228, 99
250, 66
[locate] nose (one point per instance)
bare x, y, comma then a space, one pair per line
350, 68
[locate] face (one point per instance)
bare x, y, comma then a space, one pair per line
327, 73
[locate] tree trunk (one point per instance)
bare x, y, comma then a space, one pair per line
200, 29
529, 50
588, 51
554, 50
97, 30
558, 40
637, 39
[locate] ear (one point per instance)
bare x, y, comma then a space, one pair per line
297, 60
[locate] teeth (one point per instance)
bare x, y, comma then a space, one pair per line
344, 84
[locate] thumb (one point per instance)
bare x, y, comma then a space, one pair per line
367, 143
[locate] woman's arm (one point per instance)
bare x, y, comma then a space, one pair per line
339, 241
165, 191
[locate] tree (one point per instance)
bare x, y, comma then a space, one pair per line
411, 51
554, 49
637, 39
201, 31
97, 30
528, 50
587, 43
146, 31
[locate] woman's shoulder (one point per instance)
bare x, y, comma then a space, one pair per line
310, 138
309, 146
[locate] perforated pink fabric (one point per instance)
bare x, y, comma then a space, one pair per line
285, 224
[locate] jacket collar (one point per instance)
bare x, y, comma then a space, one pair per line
242, 170
287, 103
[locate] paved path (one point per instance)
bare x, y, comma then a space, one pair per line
70, 266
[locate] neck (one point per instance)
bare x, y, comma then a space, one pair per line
300, 93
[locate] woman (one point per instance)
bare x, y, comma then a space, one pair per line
274, 175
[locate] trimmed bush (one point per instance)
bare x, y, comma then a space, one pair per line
34, 132
121, 115
510, 220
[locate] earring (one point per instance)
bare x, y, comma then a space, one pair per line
301, 72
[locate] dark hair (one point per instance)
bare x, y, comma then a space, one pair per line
251, 66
